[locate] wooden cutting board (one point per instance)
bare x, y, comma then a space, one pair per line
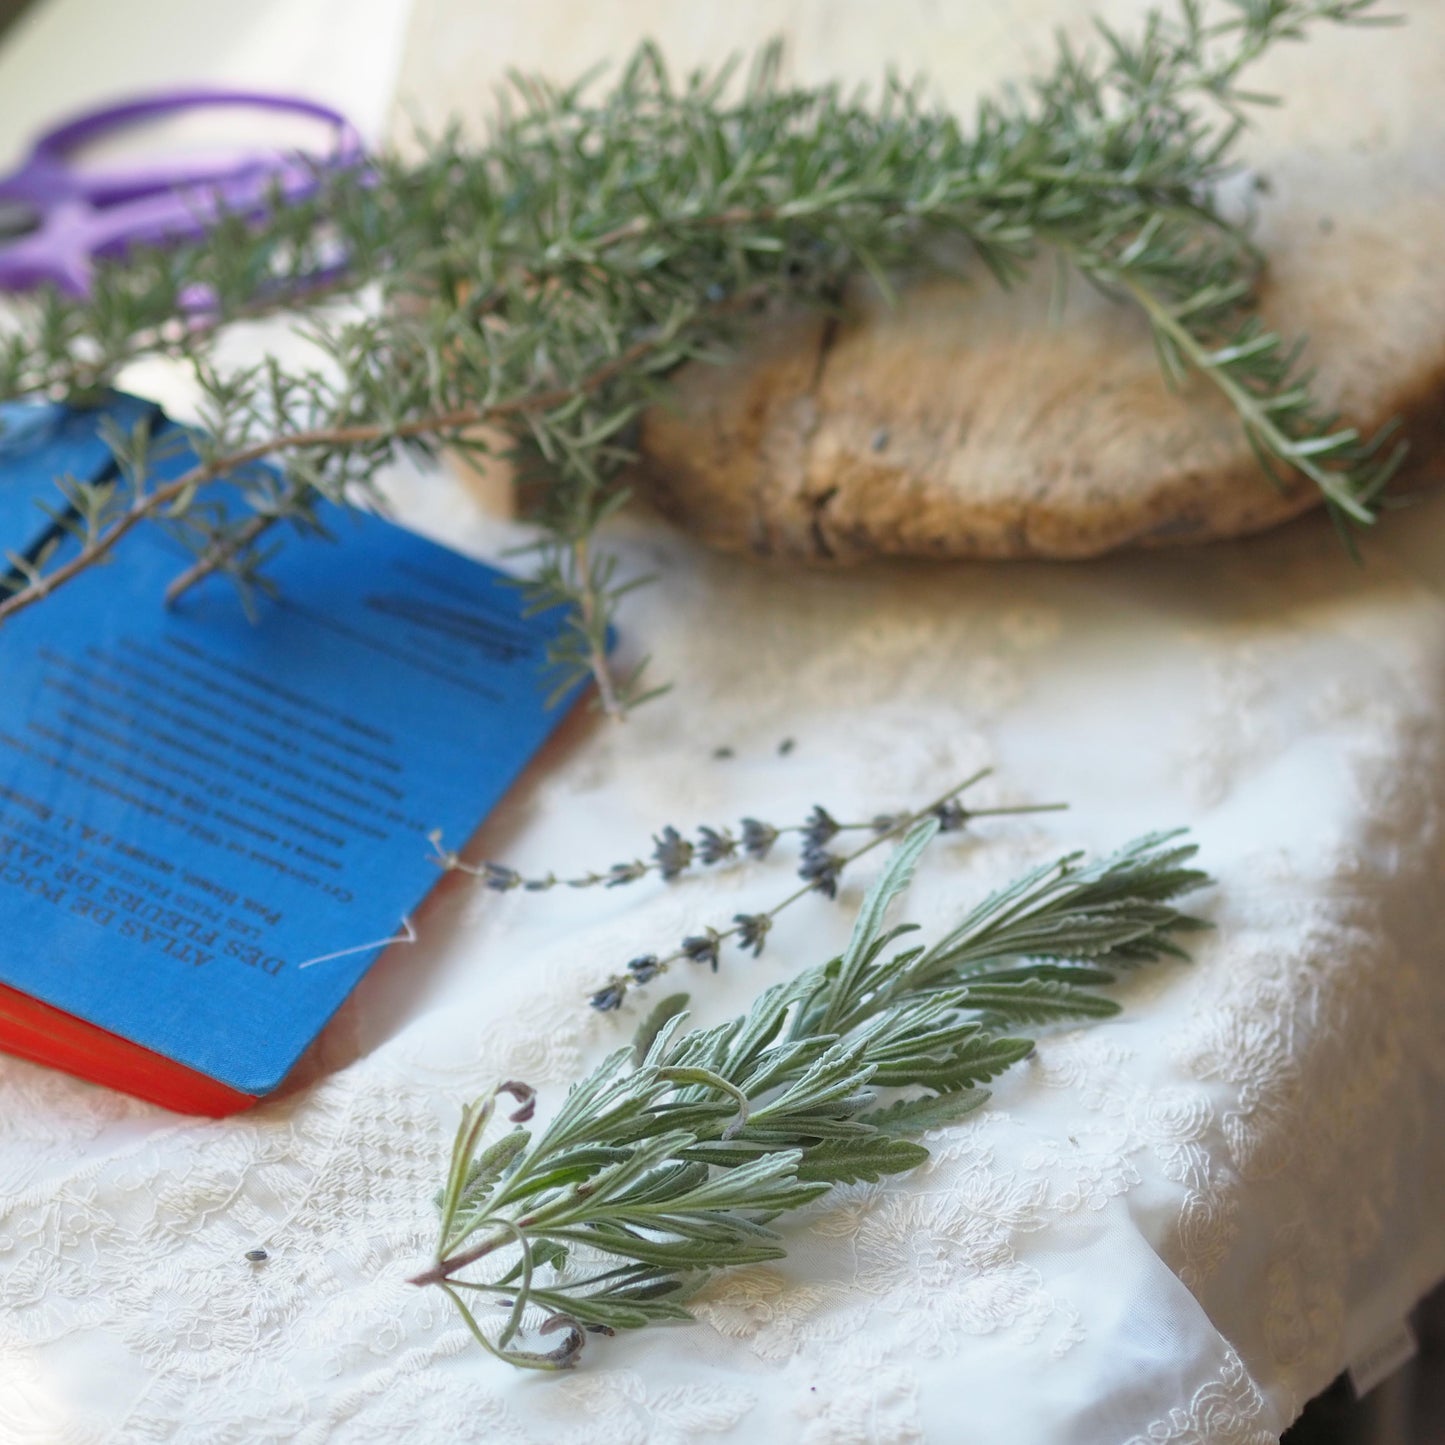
968, 422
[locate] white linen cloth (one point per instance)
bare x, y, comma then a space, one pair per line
1174, 1226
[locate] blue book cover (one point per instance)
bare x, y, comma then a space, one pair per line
209, 822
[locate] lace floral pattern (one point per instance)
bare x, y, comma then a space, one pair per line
1226, 1411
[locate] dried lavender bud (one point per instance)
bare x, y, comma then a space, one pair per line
500, 877
786, 746
646, 968
951, 816
526, 1097
714, 847
758, 838
820, 827
887, 822
620, 873
821, 870
257, 1256
752, 931
607, 999
672, 851
564, 1356
702, 948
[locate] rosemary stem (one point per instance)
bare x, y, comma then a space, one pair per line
359, 434
596, 646
216, 557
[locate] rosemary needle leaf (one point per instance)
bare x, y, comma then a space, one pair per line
674, 1156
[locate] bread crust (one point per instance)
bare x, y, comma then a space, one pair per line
969, 422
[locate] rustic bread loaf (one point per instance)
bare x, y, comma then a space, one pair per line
967, 422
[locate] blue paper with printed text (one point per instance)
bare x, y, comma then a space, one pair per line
211, 823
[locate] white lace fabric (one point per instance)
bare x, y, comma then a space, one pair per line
1174, 1226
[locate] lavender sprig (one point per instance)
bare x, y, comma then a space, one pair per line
820, 870
673, 855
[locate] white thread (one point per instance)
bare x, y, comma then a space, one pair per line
408, 937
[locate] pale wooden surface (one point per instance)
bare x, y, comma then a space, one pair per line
966, 423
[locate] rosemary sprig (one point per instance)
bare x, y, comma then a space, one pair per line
547, 282
674, 1156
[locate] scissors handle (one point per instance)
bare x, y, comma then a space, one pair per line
55, 146
81, 215
184, 213
129, 183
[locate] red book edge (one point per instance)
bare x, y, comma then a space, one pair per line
48, 1035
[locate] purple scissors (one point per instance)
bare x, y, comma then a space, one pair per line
55, 220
